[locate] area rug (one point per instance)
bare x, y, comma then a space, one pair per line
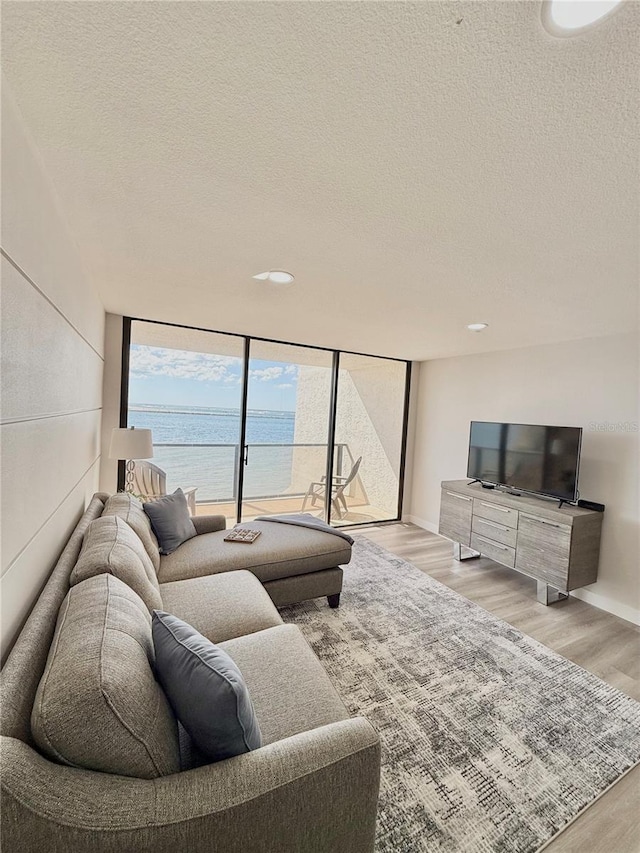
491, 742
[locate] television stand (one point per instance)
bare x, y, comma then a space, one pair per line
558, 546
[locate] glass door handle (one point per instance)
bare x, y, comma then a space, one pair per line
246, 454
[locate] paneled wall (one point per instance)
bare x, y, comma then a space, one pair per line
52, 361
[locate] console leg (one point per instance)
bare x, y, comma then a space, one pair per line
334, 600
549, 594
472, 556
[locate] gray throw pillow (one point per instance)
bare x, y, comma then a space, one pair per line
170, 520
205, 689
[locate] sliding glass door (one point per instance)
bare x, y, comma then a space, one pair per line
250, 427
287, 429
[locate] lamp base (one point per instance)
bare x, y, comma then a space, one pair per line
128, 479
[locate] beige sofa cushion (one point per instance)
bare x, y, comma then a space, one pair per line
111, 546
290, 690
282, 550
130, 510
98, 705
221, 606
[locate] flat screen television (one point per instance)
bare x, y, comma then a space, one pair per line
533, 458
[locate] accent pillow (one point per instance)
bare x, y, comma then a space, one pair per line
111, 546
98, 705
170, 521
205, 689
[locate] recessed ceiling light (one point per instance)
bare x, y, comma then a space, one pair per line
477, 327
275, 277
569, 17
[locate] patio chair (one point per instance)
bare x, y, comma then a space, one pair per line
317, 490
150, 482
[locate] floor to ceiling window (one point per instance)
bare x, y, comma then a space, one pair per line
186, 386
368, 439
248, 427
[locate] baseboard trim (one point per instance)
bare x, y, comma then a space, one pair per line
421, 522
603, 602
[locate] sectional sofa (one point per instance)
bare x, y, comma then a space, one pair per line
93, 757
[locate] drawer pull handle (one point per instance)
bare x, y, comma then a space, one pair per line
543, 521
461, 497
495, 544
494, 524
495, 506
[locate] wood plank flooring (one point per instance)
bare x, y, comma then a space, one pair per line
598, 641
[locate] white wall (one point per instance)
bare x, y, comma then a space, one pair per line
52, 360
590, 383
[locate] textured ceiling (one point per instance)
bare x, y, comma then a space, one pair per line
418, 166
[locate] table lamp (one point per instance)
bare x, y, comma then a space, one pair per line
130, 444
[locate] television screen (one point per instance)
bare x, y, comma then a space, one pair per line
530, 457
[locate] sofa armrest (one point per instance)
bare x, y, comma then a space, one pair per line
209, 523
315, 792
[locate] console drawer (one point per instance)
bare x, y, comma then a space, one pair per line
553, 537
495, 530
493, 512
544, 548
455, 516
494, 550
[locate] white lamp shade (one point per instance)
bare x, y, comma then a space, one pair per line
131, 444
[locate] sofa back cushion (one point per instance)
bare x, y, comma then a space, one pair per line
130, 509
98, 705
111, 546
27, 659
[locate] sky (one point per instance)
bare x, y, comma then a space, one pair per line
170, 377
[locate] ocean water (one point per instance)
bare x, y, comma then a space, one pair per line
199, 425
212, 468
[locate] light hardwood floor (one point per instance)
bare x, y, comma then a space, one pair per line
601, 643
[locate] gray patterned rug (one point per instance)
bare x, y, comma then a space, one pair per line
491, 742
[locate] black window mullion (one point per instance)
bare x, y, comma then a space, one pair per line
331, 439
403, 446
124, 392
243, 429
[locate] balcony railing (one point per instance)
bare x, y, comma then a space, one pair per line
271, 470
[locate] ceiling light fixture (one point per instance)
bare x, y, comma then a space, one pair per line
477, 327
275, 277
570, 17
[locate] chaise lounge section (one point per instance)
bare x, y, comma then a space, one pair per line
293, 563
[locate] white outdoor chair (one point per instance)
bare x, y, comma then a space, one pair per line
150, 482
317, 490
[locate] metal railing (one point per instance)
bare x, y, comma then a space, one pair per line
273, 470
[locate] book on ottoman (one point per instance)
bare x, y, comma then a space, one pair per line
242, 534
